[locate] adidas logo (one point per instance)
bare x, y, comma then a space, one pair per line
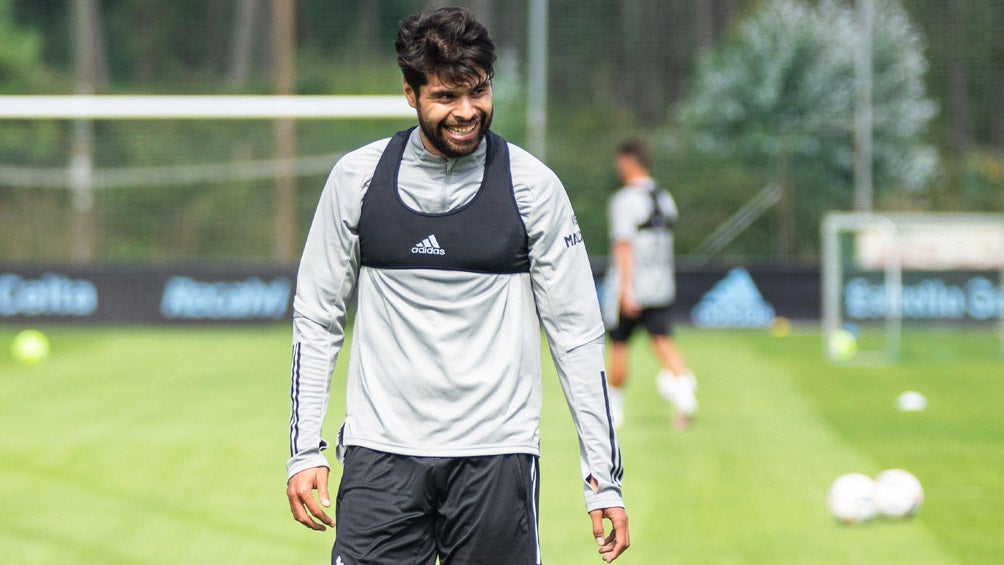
428, 246
734, 302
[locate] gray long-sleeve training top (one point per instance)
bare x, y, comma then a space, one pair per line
447, 363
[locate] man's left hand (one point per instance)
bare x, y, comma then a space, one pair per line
612, 545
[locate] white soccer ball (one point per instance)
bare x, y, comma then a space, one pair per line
851, 498
898, 494
911, 401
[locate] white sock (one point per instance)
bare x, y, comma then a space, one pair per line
691, 379
679, 391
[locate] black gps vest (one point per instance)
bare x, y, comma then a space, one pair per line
486, 235
656, 219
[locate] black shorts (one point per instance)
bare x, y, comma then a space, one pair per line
398, 509
656, 321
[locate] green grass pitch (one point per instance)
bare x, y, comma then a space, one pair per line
151, 445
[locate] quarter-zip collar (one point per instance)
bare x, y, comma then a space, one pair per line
433, 163
431, 184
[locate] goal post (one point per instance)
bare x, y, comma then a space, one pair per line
134, 107
837, 266
881, 270
183, 178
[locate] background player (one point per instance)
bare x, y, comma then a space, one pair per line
641, 281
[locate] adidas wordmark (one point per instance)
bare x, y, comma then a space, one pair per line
429, 246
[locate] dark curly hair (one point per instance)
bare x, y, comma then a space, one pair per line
449, 43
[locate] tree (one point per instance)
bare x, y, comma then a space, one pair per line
782, 89
20, 54
997, 102
958, 88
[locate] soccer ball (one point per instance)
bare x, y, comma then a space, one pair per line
911, 401
843, 345
30, 347
898, 494
851, 498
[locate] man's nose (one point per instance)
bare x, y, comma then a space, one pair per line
465, 109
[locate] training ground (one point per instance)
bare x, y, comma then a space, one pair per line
142, 445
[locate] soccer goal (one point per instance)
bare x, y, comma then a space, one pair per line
881, 270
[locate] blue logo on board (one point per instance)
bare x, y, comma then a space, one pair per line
734, 302
49, 295
251, 299
977, 298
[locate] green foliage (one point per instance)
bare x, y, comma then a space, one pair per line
21, 72
785, 84
783, 87
982, 182
966, 35
777, 81
901, 111
771, 87
20, 54
708, 190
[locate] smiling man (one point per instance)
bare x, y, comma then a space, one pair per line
453, 117
457, 246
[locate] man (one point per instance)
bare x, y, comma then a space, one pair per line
457, 246
640, 282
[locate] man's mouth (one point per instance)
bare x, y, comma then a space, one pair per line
462, 130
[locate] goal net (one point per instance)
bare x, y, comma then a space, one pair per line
140, 179
880, 271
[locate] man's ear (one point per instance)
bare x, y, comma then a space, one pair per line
410, 94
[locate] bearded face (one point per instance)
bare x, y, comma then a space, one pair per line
453, 118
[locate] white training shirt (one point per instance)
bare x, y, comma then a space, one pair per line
653, 276
447, 363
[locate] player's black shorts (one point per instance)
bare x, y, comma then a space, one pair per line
397, 509
656, 321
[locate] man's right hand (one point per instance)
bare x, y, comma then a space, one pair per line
300, 491
629, 307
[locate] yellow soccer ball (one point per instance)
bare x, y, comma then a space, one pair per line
30, 347
843, 345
